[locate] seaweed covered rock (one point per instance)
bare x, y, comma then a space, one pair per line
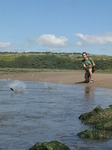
101, 120
95, 134
110, 106
53, 145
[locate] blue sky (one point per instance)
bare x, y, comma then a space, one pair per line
56, 26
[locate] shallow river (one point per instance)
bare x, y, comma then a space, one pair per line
39, 112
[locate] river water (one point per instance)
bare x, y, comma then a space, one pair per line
41, 112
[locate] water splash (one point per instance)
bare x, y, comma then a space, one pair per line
50, 86
17, 86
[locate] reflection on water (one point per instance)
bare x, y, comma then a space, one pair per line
89, 92
45, 112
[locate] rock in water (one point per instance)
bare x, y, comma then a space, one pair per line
95, 134
53, 145
101, 120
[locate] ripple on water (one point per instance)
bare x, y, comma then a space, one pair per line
46, 111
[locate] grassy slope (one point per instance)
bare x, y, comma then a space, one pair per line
9, 57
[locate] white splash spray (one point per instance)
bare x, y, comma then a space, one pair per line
17, 86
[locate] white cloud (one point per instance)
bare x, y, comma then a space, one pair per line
98, 39
5, 44
51, 40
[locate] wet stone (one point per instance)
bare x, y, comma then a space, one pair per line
101, 120
53, 145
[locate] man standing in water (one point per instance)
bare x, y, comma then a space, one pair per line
89, 67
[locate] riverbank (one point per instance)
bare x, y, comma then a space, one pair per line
102, 80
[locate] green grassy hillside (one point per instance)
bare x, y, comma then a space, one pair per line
70, 61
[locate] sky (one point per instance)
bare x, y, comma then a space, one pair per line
70, 26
